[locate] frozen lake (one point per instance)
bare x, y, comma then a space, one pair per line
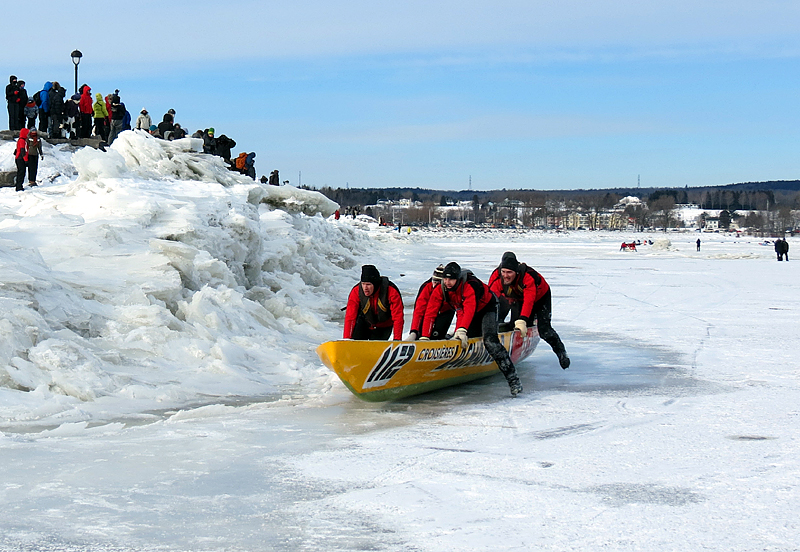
675, 428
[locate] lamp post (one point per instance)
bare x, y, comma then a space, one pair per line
76, 59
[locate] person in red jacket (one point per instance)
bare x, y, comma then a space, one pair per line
443, 319
374, 308
86, 107
524, 292
21, 158
476, 314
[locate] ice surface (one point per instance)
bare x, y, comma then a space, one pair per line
159, 389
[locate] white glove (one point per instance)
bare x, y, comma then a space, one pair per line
424, 338
412, 336
461, 335
521, 326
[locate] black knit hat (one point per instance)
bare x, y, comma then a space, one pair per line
509, 261
452, 270
438, 273
370, 274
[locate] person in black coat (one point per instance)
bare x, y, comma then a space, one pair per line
14, 107
57, 108
224, 145
209, 142
166, 126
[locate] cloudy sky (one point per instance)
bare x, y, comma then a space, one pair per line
514, 94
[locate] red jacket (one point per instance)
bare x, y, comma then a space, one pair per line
22, 145
86, 104
528, 286
421, 305
381, 314
467, 298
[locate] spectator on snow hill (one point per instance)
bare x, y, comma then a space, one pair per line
374, 308
165, 127
23, 100
143, 121
34, 153
524, 292
31, 111
209, 142
100, 116
73, 114
56, 99
21, 158
44, 106
117, 116
224, 145
87, 110
12, 97
178, 132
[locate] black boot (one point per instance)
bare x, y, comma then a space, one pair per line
563, 359
514, 386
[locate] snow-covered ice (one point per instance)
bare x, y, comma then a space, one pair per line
159, 388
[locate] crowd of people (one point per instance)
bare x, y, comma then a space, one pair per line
82, 116
375, 309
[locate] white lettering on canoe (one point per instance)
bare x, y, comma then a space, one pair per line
442, 353
392, 359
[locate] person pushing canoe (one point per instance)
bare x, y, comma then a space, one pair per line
524, 292
443, 319
374, 308
476, 314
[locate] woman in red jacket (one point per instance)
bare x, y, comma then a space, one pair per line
374, 308
476, 314
526, 294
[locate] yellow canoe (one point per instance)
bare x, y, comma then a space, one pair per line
385, 370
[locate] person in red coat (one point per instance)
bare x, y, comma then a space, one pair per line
443, 319
524, 292
374, 308
21, 158
476, 314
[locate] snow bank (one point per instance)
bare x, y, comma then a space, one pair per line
154, 280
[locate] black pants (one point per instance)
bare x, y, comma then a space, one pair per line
21, 165
362, 331
485, 323
541, 312
100, 129
442, 324
33, 167
14, 111
44, 119
86, 125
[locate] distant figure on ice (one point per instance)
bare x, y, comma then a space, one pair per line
374, 308
698, 244
782, 249
445, 317
525, 293
476, 315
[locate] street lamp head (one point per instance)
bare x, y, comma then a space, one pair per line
76, 57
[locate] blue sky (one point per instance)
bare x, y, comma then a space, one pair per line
516, 94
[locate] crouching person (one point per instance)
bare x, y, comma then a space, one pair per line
443, 319
476, 314
374, 308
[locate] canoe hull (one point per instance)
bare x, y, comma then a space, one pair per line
386, 370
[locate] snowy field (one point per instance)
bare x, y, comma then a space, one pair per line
159, 389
